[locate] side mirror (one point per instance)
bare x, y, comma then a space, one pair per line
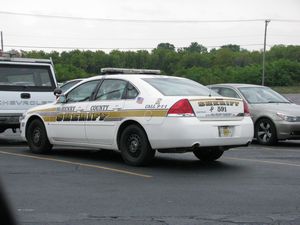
57, 92
62, 99
130, 88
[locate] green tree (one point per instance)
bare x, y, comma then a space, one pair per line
194, 48
229, 63
234, 48
166, 46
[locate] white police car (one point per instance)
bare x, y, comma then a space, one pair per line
138, 112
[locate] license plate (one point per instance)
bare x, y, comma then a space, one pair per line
225, 131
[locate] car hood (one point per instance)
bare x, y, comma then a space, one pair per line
285, 108
41, 107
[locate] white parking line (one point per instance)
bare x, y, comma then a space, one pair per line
78, 164
263, 161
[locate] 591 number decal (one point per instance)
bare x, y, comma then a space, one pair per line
222, 109
219, 109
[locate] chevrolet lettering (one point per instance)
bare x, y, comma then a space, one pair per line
139, 112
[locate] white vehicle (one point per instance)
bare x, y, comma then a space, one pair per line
24, 83
138, 114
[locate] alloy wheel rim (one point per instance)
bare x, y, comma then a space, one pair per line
264, 132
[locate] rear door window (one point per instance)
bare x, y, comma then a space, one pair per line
26, 78
227, 92
131, 92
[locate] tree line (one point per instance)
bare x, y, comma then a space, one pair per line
229, 63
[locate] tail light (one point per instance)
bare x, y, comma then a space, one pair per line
181, 108
246, 109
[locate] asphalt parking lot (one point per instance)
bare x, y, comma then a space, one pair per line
254, 185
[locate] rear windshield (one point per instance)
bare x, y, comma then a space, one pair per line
26, 77
178, 87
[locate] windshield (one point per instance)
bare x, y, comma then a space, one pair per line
68, 85
259, 95
179, 87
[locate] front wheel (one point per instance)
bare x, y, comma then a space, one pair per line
135, 147
37, 137
265, 132
208, 154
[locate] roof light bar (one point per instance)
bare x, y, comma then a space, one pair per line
128, 71
29, 60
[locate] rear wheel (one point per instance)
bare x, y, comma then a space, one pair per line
37, 137
135, 147
265, 132
208, 154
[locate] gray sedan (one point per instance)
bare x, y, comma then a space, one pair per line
274, 117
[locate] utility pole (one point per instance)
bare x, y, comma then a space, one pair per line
2, 50
264, 53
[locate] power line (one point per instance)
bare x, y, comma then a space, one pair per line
129, 20
107, 48
145, 20
146, 39
133, 38
286, 20
73, 47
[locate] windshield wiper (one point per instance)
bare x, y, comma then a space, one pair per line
276, 102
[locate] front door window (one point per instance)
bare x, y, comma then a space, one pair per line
83, 92
111, 90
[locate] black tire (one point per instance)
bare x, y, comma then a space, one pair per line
37, 137
265, 132
208, 154
135, 147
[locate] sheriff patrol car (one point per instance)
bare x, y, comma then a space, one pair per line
138, 112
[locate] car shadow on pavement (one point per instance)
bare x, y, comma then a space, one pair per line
90, 155
160, 162
190, 164
10, 138
288, 144
11, 142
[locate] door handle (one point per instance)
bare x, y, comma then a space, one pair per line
25, 95
117, 108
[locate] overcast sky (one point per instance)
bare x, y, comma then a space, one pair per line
22, 30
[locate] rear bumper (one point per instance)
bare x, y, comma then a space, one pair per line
288, 130
190, 131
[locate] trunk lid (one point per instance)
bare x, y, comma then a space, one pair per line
217, 108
